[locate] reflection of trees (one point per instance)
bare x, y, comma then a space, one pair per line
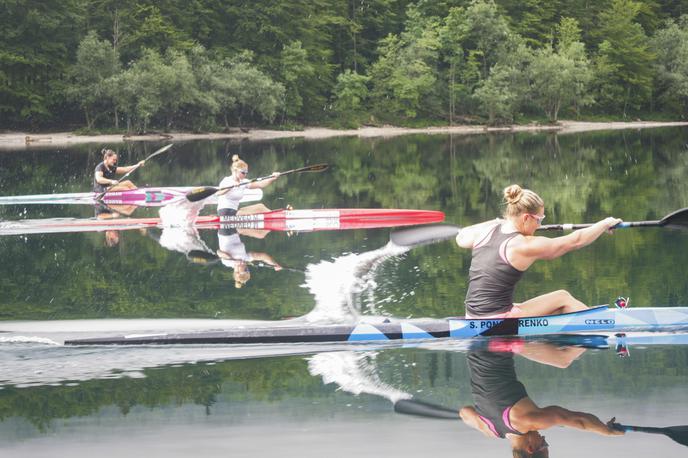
443, 374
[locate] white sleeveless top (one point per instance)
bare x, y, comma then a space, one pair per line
233, 196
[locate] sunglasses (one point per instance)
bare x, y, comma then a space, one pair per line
538, 218
243, 172
543, 446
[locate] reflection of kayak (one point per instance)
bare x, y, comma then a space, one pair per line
143, 197
593, 320
277, 220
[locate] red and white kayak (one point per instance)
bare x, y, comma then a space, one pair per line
142, 197
276, 220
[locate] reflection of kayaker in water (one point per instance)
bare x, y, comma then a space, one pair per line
232, 253
503, 408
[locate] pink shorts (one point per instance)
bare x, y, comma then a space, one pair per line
514, 312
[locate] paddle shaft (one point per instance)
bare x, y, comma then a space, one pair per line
642, 429
679, 218
573, 227
202, 193
160, 151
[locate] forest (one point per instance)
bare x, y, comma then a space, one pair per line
210, 65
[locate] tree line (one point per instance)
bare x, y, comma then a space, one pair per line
141, 65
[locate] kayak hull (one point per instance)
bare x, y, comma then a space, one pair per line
593, 320
142, 197
278, 220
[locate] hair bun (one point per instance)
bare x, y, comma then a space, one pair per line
512, 194
235, 158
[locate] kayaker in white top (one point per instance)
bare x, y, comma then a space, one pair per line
228, 200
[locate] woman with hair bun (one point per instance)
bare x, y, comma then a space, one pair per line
503, 249
228, 200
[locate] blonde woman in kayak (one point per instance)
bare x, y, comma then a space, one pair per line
228, 200
503, 249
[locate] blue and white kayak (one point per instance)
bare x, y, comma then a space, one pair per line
597, 319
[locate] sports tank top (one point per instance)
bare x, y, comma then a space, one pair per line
495, 389
491, 278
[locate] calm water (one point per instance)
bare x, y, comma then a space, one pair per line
306, 400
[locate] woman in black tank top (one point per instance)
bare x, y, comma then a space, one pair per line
504, 249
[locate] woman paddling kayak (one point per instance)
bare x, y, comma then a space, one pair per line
228, 199
106, 171
504, 249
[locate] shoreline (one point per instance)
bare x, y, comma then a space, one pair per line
26, 141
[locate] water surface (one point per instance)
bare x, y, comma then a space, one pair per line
307, 400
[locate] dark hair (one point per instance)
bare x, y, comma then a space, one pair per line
108, 152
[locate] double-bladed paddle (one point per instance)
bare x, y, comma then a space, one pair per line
677, 433
675, 220
206, 191
160, 151
425, 409
431, 233
206, 258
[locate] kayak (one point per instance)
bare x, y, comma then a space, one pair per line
276, 220
596, 319
143, 197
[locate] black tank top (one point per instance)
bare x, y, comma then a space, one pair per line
107, 173
491, 279
495, 389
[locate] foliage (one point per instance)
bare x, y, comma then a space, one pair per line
670, 45
624, 60
425, 61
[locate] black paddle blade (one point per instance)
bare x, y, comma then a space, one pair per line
676, 220
678, 434
425, 409
202, 257
422, 235
201, 193
315, 168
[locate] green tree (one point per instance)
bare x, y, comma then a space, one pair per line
295, 70
350, 92
484, 34
37, 43
405, 76
453, 55
559, 78
624, 68
496, 95
96, 62
670, 44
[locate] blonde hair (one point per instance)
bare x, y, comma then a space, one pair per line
519, 201
241, 277
238, 164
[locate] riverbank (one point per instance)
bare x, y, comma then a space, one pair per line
20, 140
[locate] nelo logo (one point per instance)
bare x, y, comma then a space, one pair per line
607, 321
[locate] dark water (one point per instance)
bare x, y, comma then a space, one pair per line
304, 400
